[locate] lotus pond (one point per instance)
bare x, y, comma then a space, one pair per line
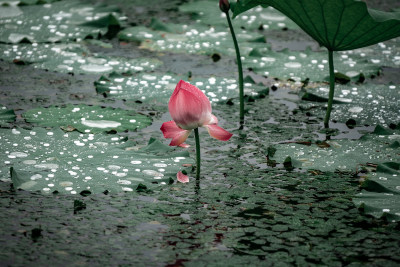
87, 178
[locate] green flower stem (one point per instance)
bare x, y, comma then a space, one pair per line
240, 70
196, 137
331, 89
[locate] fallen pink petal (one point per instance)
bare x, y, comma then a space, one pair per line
182, 177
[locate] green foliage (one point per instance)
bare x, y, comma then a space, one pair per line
157, 87
367, 103
6, 115
343, 155
58, 21
191, 39
266, 18
337, 25
381, 194
72, 58
69, 163
87, 119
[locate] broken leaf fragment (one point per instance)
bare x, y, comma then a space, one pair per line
381, 192
6, 115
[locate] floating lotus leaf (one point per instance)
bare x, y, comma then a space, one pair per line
69, 163
209, 13
192, 39
345, 155
74, 58
299, 65
58, 21
159, 87
382, 194
88, 119
337, 25
369, 103
6, 115
35, 2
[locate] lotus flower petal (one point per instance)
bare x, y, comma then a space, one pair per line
218, 132
178, 135
189, 107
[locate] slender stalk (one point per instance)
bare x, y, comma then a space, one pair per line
196, 137
240, 69
331, 89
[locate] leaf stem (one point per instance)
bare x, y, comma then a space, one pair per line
240, 69
197, 138
331, 89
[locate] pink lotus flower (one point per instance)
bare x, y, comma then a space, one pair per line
190, 108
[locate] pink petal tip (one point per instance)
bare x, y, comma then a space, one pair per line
218, 132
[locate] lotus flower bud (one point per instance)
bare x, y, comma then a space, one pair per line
224, 5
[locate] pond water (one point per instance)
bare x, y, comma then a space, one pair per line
88, 179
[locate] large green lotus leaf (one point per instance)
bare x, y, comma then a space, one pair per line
345, 155
49, 161
192, 39
337, 25
158, 88
87, 119
368, 103
6, 115
382, 194
58, 21
209, 13
74, 58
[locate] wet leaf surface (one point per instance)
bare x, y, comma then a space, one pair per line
381, 194
367, 104
73, 58
54, 22
87, 119
191, 39
300, 65
267, 19
343, 155
69, 163
157, 87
